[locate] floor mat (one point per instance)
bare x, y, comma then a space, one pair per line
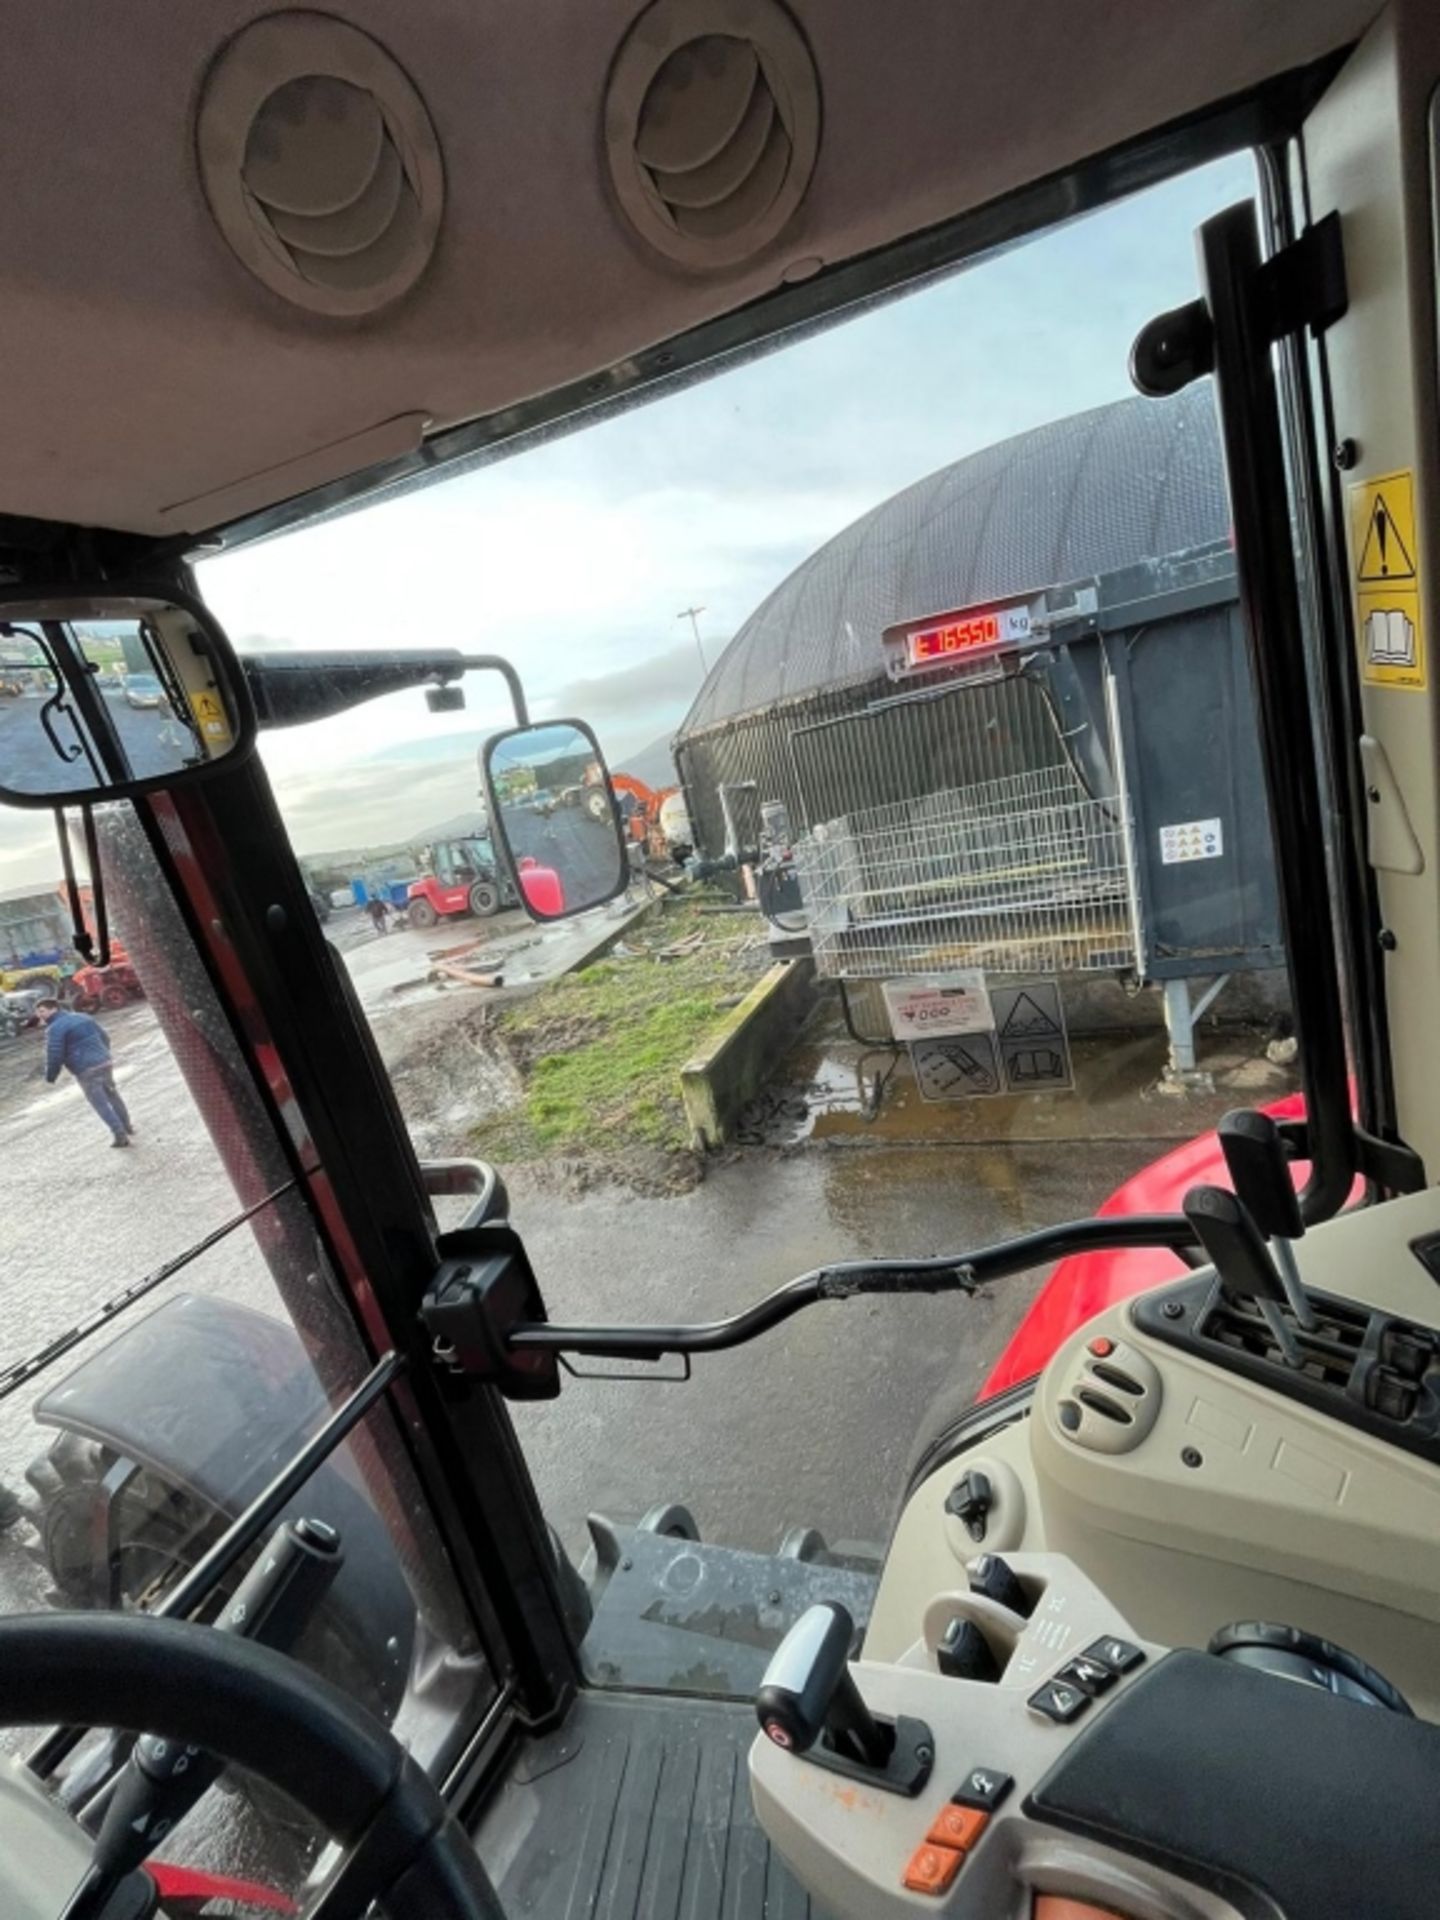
638, 1807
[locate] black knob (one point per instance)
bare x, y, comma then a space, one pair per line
964, 1653
970, 1501
1240, 1257
998, 1581
1255, 1156
808, 1691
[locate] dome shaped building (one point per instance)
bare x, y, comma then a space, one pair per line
1066, 502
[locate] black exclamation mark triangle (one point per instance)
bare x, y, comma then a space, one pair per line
1384, 556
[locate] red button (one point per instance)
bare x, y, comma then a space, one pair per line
1101, 1347
957, 1827
931, 1869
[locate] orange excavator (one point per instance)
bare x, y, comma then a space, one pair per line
638, 804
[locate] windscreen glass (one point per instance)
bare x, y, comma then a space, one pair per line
914, 650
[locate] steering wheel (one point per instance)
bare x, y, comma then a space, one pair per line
247, 1704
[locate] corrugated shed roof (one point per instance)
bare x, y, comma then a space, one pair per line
1100, 490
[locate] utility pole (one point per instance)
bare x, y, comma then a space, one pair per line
692, 614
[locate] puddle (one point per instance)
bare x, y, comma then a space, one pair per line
828, 1089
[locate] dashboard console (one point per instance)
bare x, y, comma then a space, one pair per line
1135, 1626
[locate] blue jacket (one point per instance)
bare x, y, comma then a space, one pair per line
75, 1041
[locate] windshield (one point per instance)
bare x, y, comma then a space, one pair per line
915, 654
968, 916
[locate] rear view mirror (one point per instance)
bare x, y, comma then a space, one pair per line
108, 695
554, 818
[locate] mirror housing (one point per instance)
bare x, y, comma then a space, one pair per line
115, 692
554, 817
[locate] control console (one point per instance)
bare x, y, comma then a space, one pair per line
1010, 1669
1080, 1771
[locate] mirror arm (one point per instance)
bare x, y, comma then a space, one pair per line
290, 689
92, 948
494, 663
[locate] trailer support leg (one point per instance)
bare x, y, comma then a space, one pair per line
1180, 1021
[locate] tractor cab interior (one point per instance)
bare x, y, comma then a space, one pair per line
261, 268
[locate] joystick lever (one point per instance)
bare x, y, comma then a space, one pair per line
1260, 1173
1241, 1259
808, 1691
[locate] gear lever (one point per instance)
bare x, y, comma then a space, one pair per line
1260, 1174
1240, 1257
808, 1691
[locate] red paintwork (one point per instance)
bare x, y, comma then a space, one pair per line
443, 899
182, 1883
1088, 1283
541, 887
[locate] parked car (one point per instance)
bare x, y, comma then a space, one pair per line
143, 690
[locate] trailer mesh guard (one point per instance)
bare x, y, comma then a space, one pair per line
1026, 874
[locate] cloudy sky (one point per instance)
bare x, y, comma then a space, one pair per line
574, 559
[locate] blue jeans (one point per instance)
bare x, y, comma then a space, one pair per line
98, 1087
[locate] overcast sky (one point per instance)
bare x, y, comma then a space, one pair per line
575, 559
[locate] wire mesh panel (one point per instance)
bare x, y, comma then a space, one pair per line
1026, 874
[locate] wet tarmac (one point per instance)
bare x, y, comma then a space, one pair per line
831, 1089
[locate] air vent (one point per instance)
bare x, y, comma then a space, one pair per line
712, 124
320, 163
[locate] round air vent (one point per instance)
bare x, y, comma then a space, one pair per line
320, 163
712, 123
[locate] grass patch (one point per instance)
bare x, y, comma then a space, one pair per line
600, 1052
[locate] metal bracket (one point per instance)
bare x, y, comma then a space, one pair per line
483, 1289
905, 1772
1303, 285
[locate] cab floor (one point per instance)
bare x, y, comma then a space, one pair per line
637, 1806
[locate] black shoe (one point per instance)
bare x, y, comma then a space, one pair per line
121, 1140
10, 1508
130, 1129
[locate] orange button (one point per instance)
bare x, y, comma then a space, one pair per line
1101, 1347
1059, 1906
958, 1827
931, 1869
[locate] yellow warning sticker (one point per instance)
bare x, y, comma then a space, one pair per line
1386, 556
211, 719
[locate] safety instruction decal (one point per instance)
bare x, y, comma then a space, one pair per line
1034, 1046
963, 1067
938, 1004
1025, 1050
1191, 840
1385, 553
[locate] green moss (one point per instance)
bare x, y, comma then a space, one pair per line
600, 1052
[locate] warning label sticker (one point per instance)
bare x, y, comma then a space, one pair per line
940, 1003
1030, 1032
964, 1067
1385, 553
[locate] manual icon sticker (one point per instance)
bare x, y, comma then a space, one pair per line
1386, 556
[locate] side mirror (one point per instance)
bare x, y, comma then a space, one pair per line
109, 694
554, 818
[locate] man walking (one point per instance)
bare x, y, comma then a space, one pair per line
76, 1041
